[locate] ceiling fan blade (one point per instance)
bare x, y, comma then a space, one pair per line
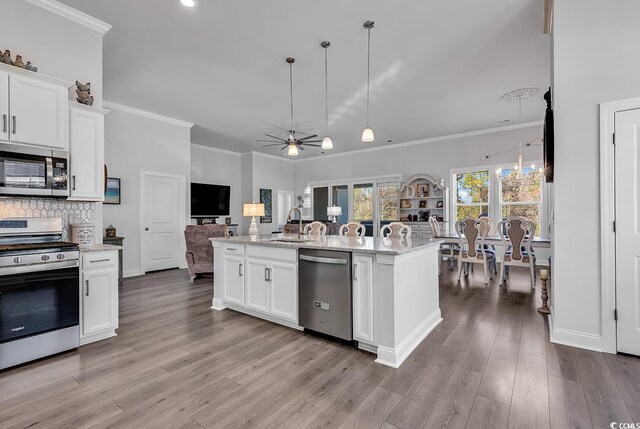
277, 138
307, 137
271, 145
284, 147
312, 145
311, 141
269, 141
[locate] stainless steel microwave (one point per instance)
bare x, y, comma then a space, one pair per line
27, 171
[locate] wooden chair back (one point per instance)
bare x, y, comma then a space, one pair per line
436, 230
352, 229
315, 228
472, 233
395, 230
517, 233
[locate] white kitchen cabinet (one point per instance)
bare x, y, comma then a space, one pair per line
86, 152
363, 298
99, 296
257, 284
233, 279
36, 108
4, 106
283, 290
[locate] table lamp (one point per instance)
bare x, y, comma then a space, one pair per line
253, 209
334, 211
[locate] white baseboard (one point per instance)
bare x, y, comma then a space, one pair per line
571, 338
368, 347
132, 273
260, 315
394, 357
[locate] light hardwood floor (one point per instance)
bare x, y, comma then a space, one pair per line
178, 364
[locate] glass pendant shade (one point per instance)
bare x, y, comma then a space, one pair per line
293, 150
367, 135
327, 143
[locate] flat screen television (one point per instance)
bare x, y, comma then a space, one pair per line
209, 200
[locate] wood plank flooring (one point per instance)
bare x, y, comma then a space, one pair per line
178, 364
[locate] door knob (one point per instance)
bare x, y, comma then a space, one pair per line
146, 229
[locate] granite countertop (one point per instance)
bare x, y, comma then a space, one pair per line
99, 248
334, 242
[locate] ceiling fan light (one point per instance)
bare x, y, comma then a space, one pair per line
327, 143
188, 3
293, 150
367, 135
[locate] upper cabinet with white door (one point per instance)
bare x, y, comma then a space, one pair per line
86, 152
34, 109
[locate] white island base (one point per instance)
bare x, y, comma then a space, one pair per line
395, 287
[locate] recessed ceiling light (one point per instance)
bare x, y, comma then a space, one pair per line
188, 3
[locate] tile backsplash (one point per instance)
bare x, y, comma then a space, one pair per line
69, 211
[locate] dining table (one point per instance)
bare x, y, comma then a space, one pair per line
496, 240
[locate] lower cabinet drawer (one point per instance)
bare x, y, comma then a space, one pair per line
99, 260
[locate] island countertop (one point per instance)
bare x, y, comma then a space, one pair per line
389, 246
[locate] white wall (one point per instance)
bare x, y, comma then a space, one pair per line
435, 158
594, 60
134, 143
219, 167
56, 45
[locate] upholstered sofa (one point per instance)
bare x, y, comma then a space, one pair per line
199, 252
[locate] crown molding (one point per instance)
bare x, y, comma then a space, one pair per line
215, 149
426, 141
135, 111
73, 15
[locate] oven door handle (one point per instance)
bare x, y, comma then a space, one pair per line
23, 269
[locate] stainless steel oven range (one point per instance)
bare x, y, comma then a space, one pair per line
39, 290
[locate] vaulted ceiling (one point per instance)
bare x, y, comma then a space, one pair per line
438, 67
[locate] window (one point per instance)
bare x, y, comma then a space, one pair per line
388, 201
363, 202
471, 194
340, 198
320, 203
521, 197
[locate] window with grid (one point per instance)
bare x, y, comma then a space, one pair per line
521, 196
388, 201
472, 194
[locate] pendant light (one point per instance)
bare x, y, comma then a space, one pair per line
293, 147
519, 95
326, 142
367, 134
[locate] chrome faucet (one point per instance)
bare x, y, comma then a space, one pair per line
299, 220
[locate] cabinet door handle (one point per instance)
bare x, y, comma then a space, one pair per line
240, 270
269, 272
99, 260
14, 124
266, 274
355, 272
73, 179
4, 123
87, 291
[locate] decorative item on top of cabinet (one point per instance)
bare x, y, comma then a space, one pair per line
19, 63
83, 92
86, 153
31, 67
6, 57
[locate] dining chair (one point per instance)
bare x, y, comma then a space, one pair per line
448, 252
352, 229
315, 228
493, 230
472, 233
396, 230
517, 233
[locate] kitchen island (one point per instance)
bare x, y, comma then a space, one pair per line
394, 285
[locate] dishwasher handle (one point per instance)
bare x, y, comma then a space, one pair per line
322, 260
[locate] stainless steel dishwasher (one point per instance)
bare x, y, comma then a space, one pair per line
324, 292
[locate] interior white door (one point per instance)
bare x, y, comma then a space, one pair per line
627, 179
161, 221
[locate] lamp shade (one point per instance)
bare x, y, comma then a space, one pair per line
334, 211
253, 209
327, 143
367, 135
293, 150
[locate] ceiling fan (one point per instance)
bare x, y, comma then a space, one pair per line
292, 142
